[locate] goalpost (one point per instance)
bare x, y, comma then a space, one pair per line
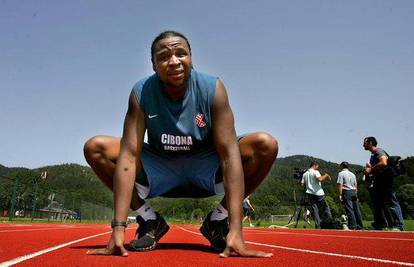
287, 219
280, 217
281, 220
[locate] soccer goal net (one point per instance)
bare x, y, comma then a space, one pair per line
277, 218
281, 220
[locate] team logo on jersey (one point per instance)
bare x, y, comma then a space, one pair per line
199, 120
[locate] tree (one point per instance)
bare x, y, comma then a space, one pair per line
406, 196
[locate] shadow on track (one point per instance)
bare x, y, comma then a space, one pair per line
161, 246
185, 246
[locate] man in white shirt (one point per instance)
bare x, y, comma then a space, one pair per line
347, 187
312, 179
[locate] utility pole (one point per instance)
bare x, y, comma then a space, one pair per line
13, 200
34, 200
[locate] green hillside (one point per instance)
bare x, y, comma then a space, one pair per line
67, 185
74, 183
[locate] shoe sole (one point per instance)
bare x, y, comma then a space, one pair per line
164, 230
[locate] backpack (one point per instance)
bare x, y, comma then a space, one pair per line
396, 165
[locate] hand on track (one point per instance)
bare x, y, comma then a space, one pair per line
115, 245
236, 247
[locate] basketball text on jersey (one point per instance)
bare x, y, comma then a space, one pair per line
176, 142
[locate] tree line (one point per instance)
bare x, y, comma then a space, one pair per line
278, 194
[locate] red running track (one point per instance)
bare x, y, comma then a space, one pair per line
183, 245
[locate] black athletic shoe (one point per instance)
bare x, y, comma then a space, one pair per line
215, 232
377, 227
148, 233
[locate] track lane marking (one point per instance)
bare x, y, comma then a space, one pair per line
61, 227
29, 230
44, 251
52, 228
341, 236
319, 252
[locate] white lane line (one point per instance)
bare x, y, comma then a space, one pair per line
9, 225
41, 252
330, 236
29, 230
44, 229
321, 252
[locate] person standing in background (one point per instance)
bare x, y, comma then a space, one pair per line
312, 179
384, 196
347, 187
248, 210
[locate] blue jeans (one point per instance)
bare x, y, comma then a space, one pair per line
381, 217
350, 201
318, 203
385, 199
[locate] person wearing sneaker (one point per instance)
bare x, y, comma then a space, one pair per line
248, 210
348, 196
384, 195
191, 151
312, 181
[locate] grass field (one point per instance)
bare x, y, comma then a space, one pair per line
408, 224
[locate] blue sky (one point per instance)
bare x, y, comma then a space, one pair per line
317, 75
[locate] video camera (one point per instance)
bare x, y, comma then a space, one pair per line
367, 178
359, 171
298, 173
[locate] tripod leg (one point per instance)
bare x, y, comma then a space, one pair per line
299, 212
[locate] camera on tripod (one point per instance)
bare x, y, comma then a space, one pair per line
298, 173
302, 204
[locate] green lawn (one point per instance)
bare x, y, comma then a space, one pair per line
408, 224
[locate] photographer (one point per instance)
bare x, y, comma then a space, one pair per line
381, 217
312, 179
347, 187
384, 196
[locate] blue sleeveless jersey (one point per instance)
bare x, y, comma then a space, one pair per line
180, 155
180, 127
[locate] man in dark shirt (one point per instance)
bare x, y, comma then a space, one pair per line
383, 184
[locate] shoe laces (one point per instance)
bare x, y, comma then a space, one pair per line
144, 226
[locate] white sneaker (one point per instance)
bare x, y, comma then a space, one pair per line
251, 225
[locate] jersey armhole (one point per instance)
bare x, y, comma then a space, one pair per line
213, 93
137, 91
